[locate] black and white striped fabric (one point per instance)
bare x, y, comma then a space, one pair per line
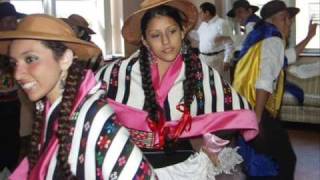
212, 93
100, 149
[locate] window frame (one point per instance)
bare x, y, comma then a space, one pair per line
111, 33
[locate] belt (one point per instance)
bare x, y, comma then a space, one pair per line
212, 53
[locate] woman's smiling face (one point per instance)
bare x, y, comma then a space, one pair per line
36, 69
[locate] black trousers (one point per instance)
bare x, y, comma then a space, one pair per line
273, 140
9, 134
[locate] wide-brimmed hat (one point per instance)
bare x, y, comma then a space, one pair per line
45, 27
77, 20
275, 6
241, 4
131, 28
7, 9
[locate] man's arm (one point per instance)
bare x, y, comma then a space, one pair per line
228, 44
311, 33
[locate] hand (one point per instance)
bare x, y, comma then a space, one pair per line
312, 30
226, 66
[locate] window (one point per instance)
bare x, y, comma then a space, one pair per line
28, 7
309, 10
105, 22
88, 9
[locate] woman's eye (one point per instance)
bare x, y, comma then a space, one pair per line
155, 35
173, 31
30, 59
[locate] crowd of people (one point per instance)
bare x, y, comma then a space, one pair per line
164, 112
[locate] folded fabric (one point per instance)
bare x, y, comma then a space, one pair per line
256, 164
305, 71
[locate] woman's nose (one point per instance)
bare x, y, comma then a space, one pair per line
165, 39
18, 71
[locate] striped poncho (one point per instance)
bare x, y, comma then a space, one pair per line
216, 105
99, 148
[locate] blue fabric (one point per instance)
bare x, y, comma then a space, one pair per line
293, 89
253, 18
256, 164
296, 91
262, 30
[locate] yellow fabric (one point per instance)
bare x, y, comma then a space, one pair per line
246, 73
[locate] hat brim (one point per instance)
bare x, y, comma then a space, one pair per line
90, 31
20, 15
82, 49
70, 23
232, 13
293, 11
131, 29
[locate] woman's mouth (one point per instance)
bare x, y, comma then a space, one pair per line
28, 86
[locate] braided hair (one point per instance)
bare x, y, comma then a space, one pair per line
74, 78
151, 105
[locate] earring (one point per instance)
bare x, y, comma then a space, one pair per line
62, 83
184, 47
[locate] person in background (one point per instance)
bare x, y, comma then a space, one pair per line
81, 27
211, 34
259, 76
173, 102
74, 134
244, 14
9, 101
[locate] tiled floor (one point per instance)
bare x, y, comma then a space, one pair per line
306, 143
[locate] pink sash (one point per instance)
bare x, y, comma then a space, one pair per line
242, 120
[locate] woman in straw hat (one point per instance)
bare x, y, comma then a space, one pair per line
74, 134
164, 94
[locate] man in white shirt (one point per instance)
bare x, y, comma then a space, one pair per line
244, 14
259, 76
215, 54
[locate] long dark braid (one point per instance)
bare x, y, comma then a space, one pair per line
37, 125
189, 85
151, 105
73, 82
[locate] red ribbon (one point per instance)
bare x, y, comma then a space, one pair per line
159, 129
185, 121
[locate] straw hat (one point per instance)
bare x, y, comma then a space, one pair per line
275, 6
77, 20
131, 28
45, 27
